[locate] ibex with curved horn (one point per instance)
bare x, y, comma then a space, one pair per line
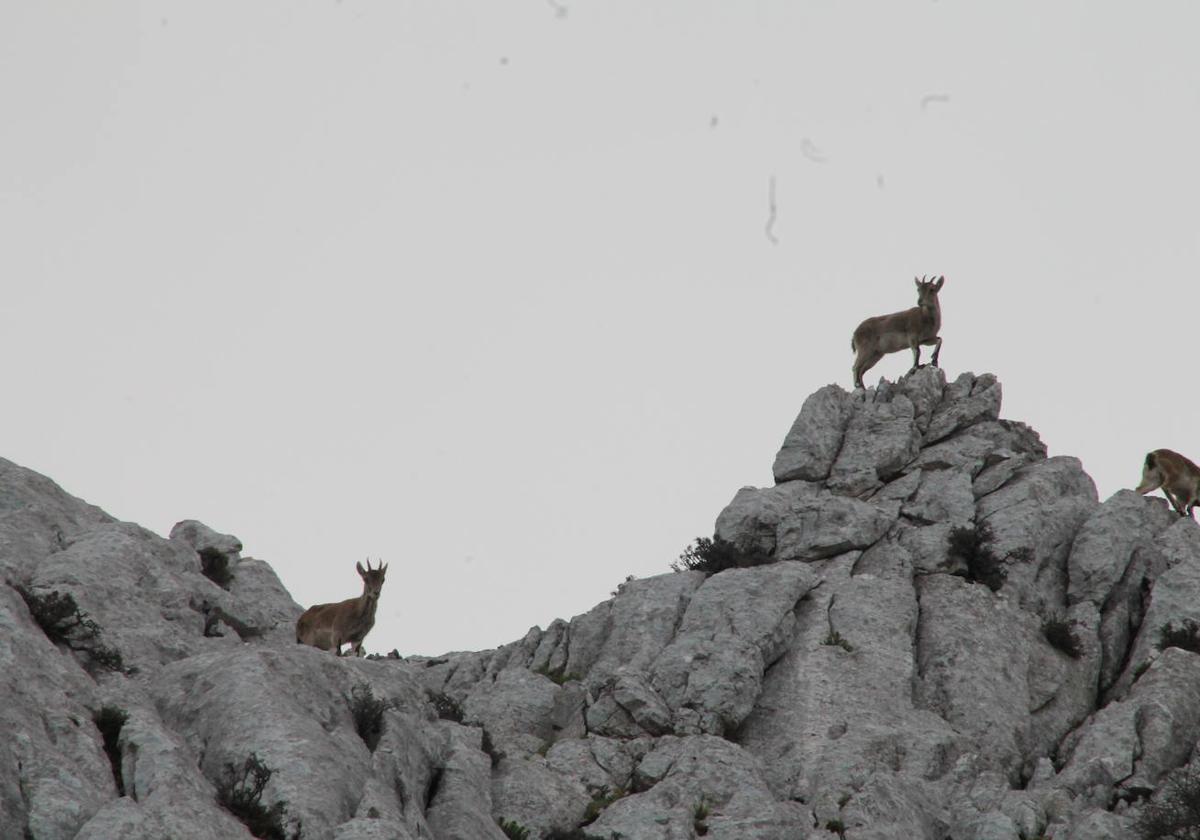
875, 337
1178, 477
329, 626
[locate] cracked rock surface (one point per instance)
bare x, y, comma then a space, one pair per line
951, 636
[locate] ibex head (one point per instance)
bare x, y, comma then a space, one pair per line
927, 290
372, 579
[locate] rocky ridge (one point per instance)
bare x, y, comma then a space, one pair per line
889, 674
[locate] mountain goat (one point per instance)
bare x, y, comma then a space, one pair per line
1178, 477
329, 626
875, 337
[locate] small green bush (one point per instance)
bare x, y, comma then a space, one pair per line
215, 566
716, 555
1059, 634
240, 790
1173, 813
109, 721
512, 829
974, 547
834, 639
558, 676
1186, 637
837, 827
601, 798
368, 711
447, 707
64, 623
700, 817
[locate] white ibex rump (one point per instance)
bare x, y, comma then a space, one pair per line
329, 626
1178, 477
875, 337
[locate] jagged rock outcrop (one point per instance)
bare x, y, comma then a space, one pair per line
944, 633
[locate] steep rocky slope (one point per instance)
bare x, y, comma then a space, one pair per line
888, 674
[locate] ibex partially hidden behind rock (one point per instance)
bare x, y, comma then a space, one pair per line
875, 337
1178, 477
329, 626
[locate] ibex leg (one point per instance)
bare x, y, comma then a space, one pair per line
937, 342
1176, 503
863, 364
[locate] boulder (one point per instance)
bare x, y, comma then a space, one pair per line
813, 441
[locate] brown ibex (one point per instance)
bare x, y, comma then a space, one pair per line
911, 328
1178, 477
329, 626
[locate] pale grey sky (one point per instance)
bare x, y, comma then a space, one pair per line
486, 290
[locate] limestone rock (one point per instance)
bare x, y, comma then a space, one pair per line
1106, 543
827, 525
966, 401
54, 776
631, 630
736, 626
881, 438
1174, 602
815, 438
515, 709
1033, 520
751, 521
529, 792
205, 540
680, 775
1132, 743
943, 496
459, 805
37, 518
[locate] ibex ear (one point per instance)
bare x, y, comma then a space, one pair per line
383, 569
940, 281
917, 281
361, 571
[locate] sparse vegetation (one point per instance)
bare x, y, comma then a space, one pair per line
512, 829
240, 790
974, 547
109, 721
215, 566
64, 623
716, 555
489, 747
1173, 813
834, 639
602, 797
558, 676
700, 818
447, 707
1186, 637
837, 827
1059, 634
620, 586
1141, 669
368, 714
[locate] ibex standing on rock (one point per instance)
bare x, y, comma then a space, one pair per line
1178, 477
911, 328
329, 626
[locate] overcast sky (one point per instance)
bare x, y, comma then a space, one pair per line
490, 290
